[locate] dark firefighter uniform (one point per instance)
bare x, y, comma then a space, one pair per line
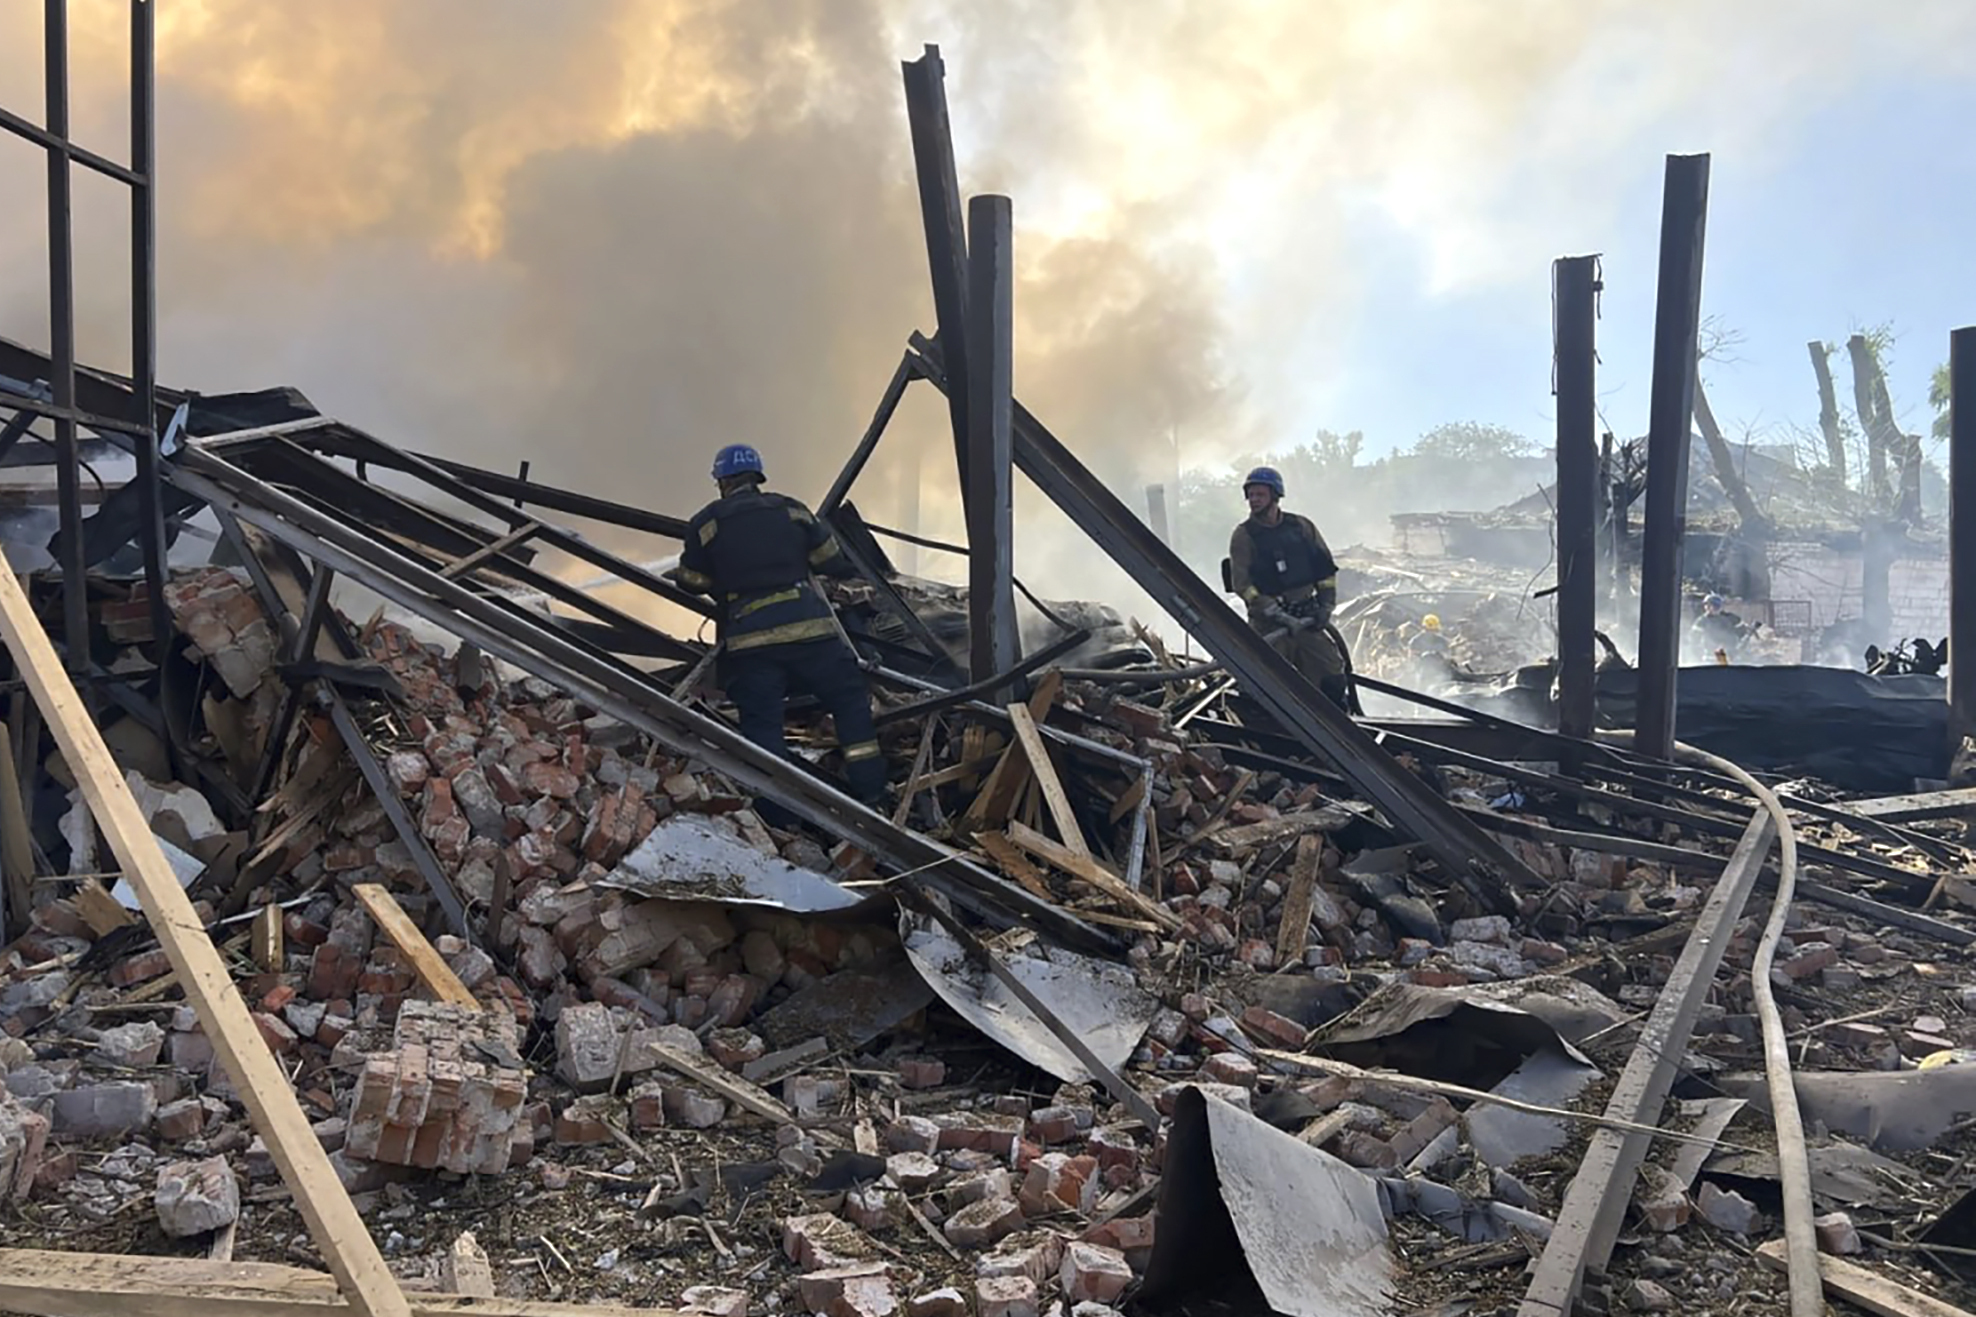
1285, 571
753, 551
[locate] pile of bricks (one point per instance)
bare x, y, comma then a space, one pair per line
448, 1095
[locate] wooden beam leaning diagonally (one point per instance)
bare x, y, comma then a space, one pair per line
1595, 1204
339, 1233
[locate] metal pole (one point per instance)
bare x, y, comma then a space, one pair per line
1156, 511
1677, 325
144, 322
946, 242
61, 325
993, 643
1962, 532
1575, 292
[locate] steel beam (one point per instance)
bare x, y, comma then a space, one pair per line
61, 336
1595, 1205
1575, 291
144, 327
1472, 859
993, 641
1962, 531
1677, 327
888, 403
946, 242
631, 697
354, 443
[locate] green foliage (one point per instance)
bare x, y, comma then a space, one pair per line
1471, 441
1938, 398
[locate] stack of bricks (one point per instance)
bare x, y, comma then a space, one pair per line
446, 1096
225, 623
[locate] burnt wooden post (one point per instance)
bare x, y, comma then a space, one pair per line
1677, 326
1575, 289
993, 641
946, 242
1962, 531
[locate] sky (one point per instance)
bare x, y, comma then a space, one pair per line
609, 236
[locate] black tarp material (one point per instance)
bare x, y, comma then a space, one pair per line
1859, 732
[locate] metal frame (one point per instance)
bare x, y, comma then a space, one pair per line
1575, 291
946, 241
536, 645
993, 642
1962, 532
1677, 327
60, 404
1472, 858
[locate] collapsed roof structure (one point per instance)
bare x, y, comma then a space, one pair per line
1315, 992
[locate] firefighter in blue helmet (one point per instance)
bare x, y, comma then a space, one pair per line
754, 551
1284, 571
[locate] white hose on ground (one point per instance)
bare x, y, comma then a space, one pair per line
1793, 1166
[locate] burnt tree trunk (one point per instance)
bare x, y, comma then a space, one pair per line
1828, 414
1755, 528
1879, 495
1904, 449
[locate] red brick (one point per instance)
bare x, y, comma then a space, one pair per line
922, 1072
1281, 1031
1059, 1181
1093, 1273
1810, 960
138, 968
277, 998
275, 1032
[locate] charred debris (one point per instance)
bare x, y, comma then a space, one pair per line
431, 954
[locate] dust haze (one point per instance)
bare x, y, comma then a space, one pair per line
610, 236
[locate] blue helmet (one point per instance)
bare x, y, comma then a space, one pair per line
736, 460
1265, 475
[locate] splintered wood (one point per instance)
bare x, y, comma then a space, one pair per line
395, 924
340, 1234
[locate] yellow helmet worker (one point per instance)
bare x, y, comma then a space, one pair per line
1432, 621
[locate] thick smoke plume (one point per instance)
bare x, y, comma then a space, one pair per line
610, 236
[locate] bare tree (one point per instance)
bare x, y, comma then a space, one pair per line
1828, 412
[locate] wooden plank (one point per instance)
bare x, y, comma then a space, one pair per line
44, 1284
339, 1233
491, 549
1129, 800
16, 855
1855, 1284
102, 912
1009, 776
1015, 864
1090, 871
1044, 697
1948, 804
270, 953
1293, 932
1045, 772
395, 924
732, 1087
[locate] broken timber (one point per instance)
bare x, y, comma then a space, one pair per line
45, 1284
339, 1233
1471, 858
1594, 1207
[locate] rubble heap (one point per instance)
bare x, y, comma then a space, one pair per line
666, 1023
